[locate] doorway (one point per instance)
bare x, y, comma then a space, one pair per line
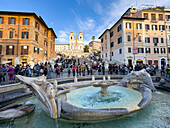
130, 62
163, 62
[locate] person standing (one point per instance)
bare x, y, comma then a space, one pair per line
11, 71
99, 70
74, 69
45, 69
1, 73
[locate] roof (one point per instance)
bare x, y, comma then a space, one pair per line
134, 18
28, 13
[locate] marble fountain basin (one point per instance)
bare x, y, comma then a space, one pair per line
88, 103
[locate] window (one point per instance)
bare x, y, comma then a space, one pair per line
168, 37
45, 53
146, 16
111, 45
128, 25
102, 40
106, 54
24, 50
1, 34
38, 50
1, 20
112, 53
139, 38
162, 40
119, 40
148, 50
36, 24
46, 44
45, 33
10, 34
160, 16
129, 50
35, 49
11, 20
168, 28
0, 49
140, 50
25, 21
147, 27
138, 26
36, 37
102, 48
105, 46
156, 50
129, 38
9, 50
119, 28
155, 40
153, 17
168, 17
169, 50
147, 39
25, 35
120, 51
111, 34
154, 27
163, 50
161, 27
105, 37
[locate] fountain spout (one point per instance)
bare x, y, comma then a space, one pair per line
104, 86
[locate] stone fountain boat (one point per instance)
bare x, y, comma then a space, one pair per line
16, 111
55, 102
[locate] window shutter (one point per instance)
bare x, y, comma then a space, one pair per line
0, 49
27, 50
7, 50
22, 50
163, 27
1, 33
28, 21
9, 20
23, 21
27, 35
15, 21
38, 26
156, 27
126, 25
140, 26
22, 35
35, 24
38, 50
2, 20
13, 50
130, 25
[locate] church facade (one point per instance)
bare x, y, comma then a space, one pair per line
74, 48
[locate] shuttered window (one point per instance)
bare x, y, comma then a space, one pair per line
24, 50
11, 20
1, 20
1, 34
10, 34
10, 50
25, 35
26, 21
0, 49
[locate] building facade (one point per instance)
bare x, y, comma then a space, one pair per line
24, 37
94, 46
139, 35
74, 48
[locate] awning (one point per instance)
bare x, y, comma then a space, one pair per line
139, 61
6, 62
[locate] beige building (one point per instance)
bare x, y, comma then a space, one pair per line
94, 46
24, 37
74, 48
167, 23
139, 35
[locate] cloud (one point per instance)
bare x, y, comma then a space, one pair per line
63, 37
98, 8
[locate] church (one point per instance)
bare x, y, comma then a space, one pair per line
74, 48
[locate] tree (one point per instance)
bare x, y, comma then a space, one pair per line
98, 52
93, 38
86, 48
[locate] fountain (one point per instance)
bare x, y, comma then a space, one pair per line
86, 103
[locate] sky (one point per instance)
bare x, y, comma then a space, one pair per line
91, 17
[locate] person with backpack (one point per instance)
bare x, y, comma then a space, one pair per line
28, 71
1, 73
45, 69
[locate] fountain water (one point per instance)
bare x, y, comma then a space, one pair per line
111, 104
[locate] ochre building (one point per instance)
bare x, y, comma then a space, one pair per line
94, 46
24, 37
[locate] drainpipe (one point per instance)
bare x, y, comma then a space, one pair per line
18, 33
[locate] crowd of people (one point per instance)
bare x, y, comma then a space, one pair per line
73, 67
